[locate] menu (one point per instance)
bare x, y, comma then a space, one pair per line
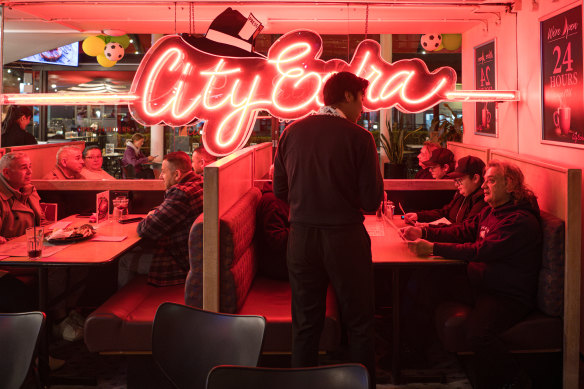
561, 78
485, 74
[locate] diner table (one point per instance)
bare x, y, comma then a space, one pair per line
110, 241
389, 251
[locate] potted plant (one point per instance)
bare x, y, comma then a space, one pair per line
448, 129
394, 146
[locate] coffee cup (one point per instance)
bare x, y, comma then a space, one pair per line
485, 117
562, 118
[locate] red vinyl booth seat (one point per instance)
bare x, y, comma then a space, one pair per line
242, 291
124, 322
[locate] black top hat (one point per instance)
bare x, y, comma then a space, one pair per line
230, 35
468, 166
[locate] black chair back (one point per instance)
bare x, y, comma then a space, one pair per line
346, 376
187, 342
128, 171
19, 333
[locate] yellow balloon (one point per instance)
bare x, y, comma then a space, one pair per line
451, 41
103, 61
93, 46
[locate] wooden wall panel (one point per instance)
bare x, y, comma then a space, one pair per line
462, 150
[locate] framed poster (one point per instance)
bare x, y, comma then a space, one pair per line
485, 79
561, 78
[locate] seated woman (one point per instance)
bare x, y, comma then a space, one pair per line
467, 202
133, 156
93, 161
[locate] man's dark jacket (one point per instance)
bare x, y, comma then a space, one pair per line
502, 246
458, 210
331, 179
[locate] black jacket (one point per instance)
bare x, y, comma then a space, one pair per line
15, 136
327, 169
458, 210
502, 246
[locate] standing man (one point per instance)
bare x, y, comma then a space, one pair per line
69, 165
327, 169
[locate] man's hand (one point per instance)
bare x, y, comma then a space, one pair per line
421, 247
151, 158
411, 218
411, 233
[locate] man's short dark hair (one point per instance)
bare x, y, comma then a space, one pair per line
203, 153
179, 161
88, 149
339, 83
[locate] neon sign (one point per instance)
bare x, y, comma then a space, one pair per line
177, 84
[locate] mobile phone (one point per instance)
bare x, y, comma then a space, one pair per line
131, 220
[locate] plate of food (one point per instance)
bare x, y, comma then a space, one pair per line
72, 234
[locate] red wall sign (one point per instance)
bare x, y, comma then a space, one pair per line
177, 83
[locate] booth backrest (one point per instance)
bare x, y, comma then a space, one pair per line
44, 157
227, 182
262, 159
559, 192
550, 290
462, 150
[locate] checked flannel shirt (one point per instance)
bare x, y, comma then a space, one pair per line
169, 226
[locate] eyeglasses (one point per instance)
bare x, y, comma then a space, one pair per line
100, 157
458, 181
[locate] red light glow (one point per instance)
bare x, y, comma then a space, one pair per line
177, 84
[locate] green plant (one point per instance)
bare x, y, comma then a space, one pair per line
449, 129
394, 144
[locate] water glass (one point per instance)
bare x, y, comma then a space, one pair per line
120, 208
34, 242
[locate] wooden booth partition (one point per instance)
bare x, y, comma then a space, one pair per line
262, 160
226, 181
559, 192
44, 157
462, 150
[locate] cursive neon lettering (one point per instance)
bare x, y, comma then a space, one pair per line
177, 83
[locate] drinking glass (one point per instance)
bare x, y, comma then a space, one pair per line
121, 206
34, 242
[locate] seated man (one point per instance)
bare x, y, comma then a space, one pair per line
168, 226
467, 202
272, 228
20, 209
502, 246
69, 165
93, 160
202, 158
440, 163
425, 153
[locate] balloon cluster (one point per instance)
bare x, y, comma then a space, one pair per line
107, 49
437, 42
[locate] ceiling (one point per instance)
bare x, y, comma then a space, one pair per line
36, 25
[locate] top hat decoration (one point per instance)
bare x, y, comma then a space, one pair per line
230, 35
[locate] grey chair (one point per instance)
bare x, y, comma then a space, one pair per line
187, 342
19, 333
346, 376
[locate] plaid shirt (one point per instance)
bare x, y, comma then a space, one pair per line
169, 226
